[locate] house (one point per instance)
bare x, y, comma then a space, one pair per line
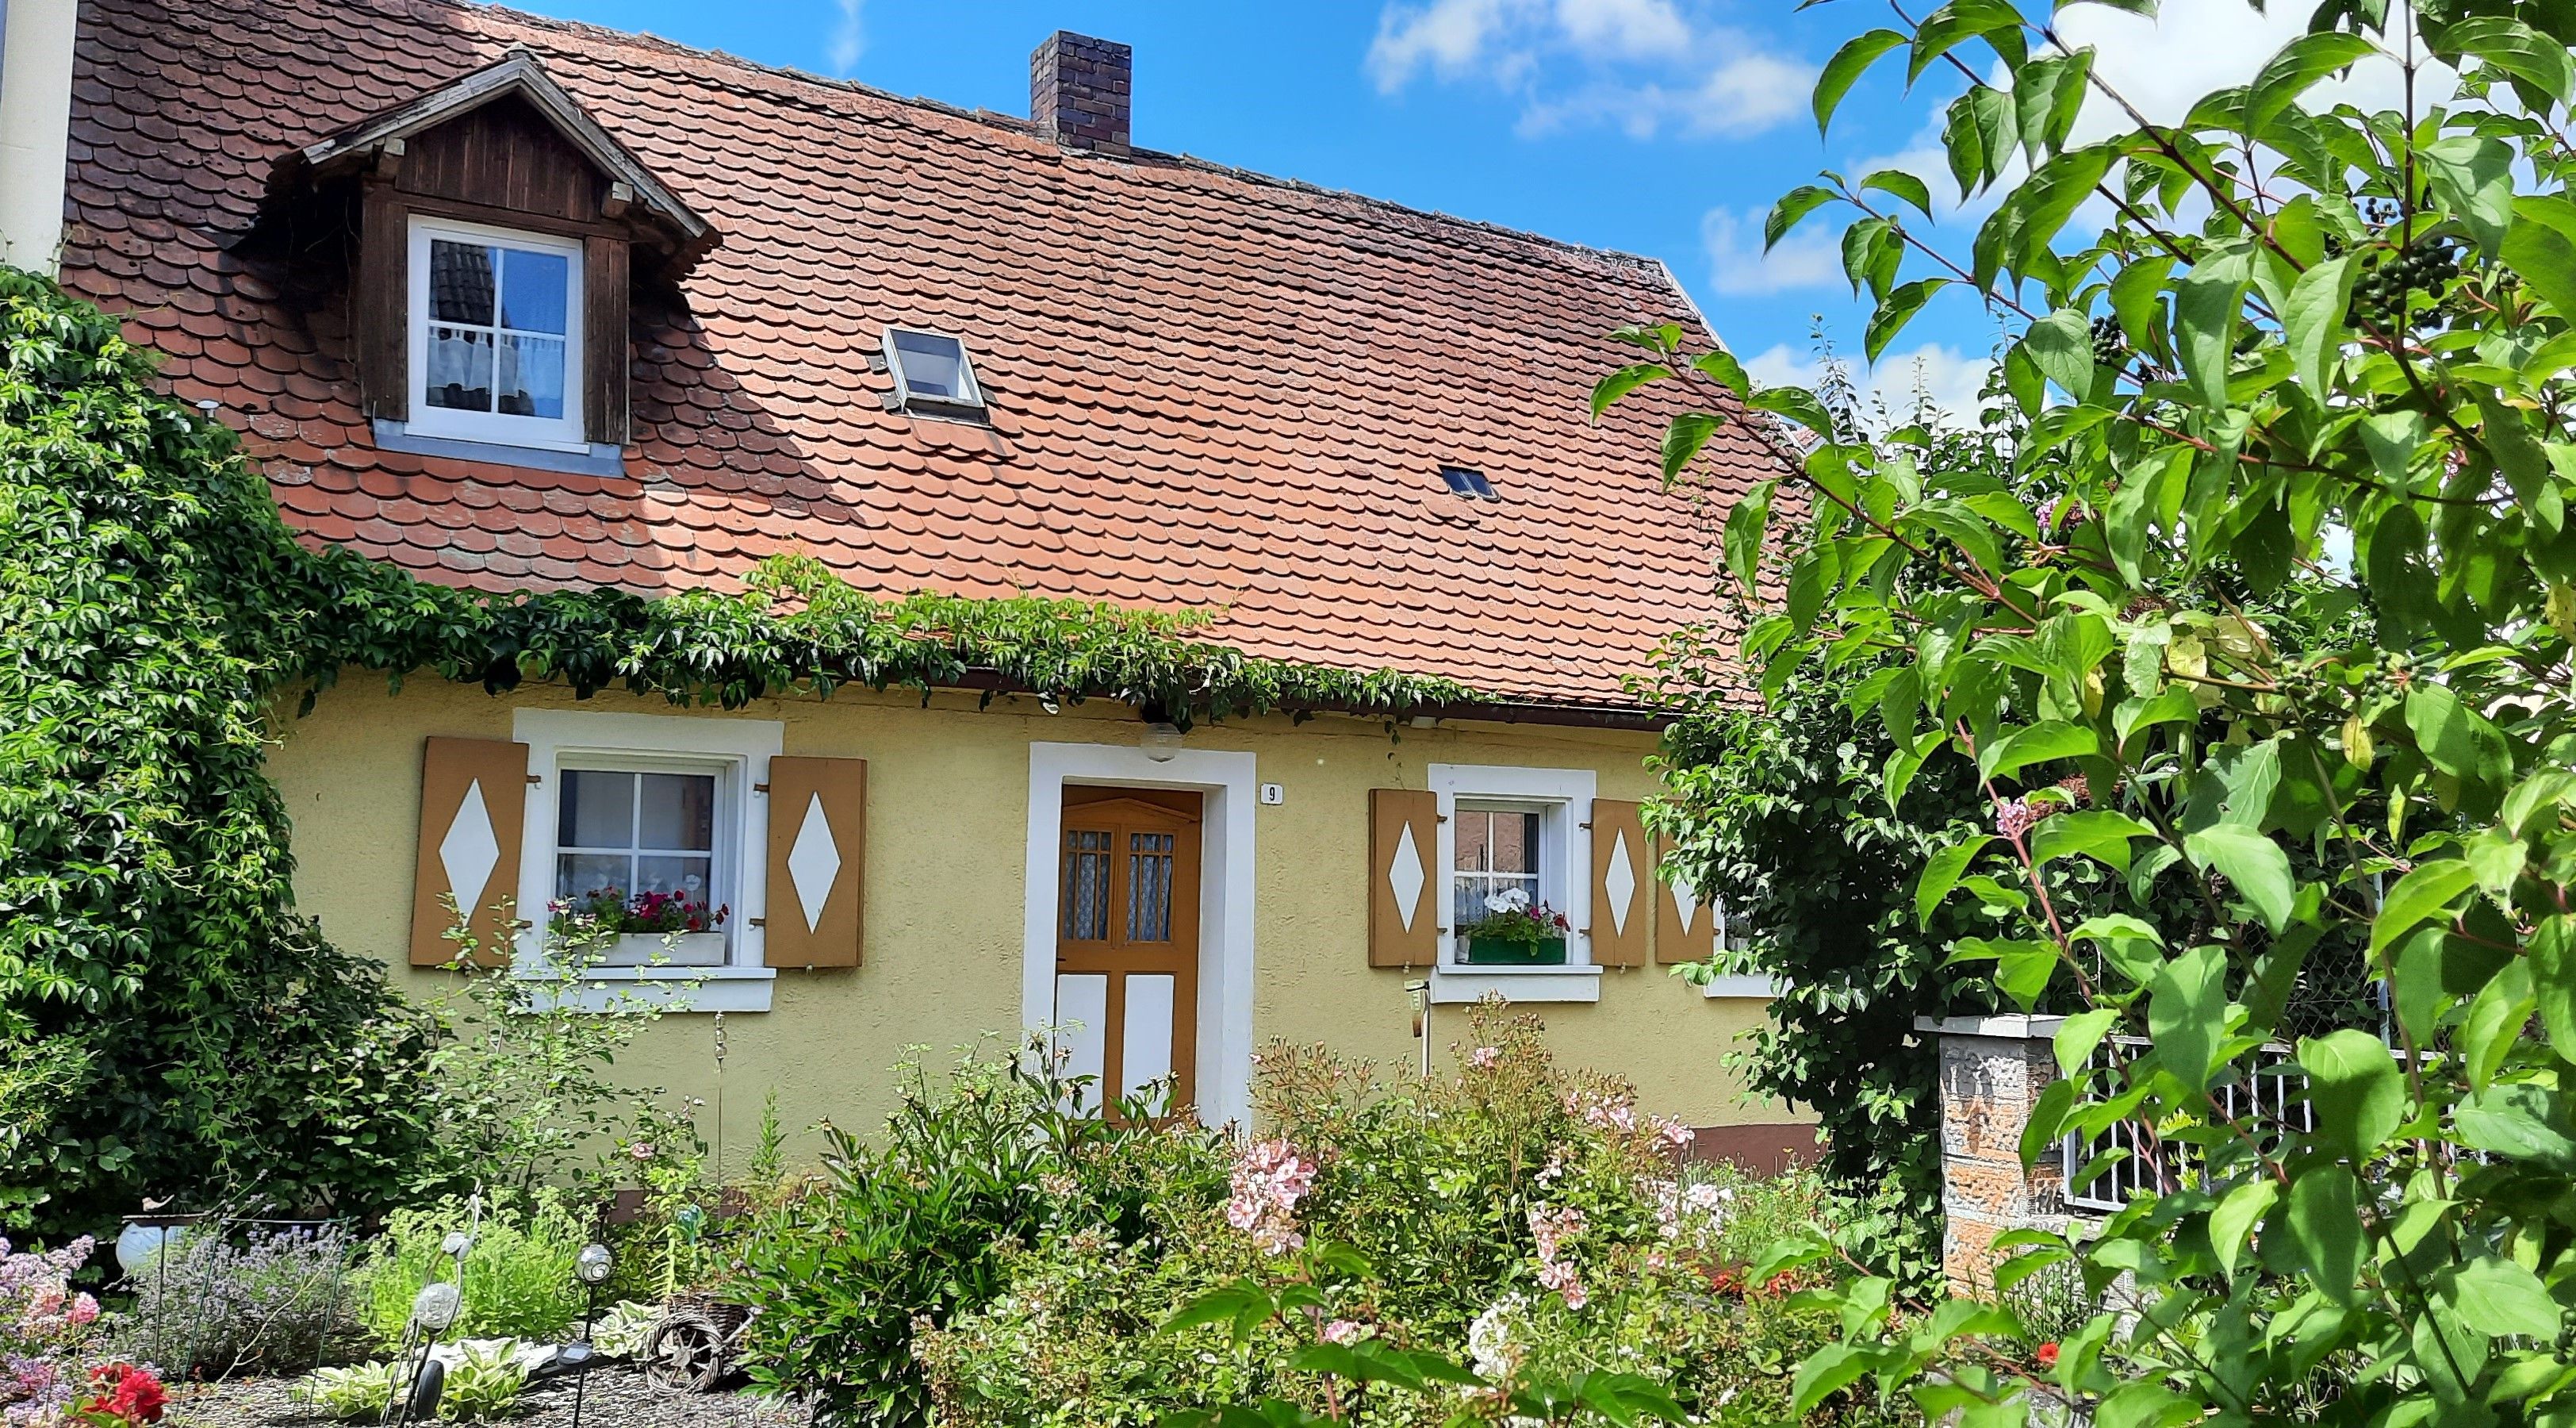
521, 304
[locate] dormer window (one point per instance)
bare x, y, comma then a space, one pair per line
931, 373
496, 335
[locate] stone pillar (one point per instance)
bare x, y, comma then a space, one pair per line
1992, 1071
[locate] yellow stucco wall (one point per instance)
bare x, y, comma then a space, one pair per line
948, 810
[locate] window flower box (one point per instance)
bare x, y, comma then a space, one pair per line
672, 949
1514, 952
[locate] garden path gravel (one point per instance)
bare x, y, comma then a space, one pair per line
616, 1398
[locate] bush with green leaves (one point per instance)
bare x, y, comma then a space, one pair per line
352, 1393
908, 1232
2305, 325
484, 1382
518, 1273
194, 1029
1780, 812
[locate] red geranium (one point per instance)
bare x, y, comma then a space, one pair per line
2048, 1355
123, 1396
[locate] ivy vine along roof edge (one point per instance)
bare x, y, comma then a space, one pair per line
1209, 389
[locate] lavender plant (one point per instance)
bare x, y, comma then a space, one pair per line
225, 1301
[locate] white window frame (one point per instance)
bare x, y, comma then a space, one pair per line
741, 749
972, 401
1563, 799
723, 858
568, 432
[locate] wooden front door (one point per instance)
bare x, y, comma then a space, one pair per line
1127, 942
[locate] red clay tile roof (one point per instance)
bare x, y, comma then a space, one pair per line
1208, 388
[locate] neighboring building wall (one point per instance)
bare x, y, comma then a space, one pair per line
1992, 1072
35, 114
946, 850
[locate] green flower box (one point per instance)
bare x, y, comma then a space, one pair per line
1507, 952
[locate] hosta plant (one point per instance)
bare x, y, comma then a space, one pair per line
2317, 352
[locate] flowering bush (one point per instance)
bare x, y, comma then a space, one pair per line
45, 1325
1529, 1221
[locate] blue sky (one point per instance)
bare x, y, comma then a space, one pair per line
1663, 127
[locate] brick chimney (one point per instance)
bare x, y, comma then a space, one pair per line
1078, 91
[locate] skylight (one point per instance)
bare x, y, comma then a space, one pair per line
1469, 484
931, 371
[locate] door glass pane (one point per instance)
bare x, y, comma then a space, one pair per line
1149, 887
460, 369
598, 810
534, 288
679, 811
532, 376
1086, 885
460, 282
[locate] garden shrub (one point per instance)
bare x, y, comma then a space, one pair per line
1528, 1220
222, 1299
518, 1272
906, 1233
197, 1031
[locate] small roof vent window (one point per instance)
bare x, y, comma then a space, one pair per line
932, 374
1469, 484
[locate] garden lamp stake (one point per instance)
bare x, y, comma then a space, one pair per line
592, 1267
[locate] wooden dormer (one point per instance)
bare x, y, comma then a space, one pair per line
504, 149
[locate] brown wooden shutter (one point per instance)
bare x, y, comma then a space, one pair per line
473, 803
818, 858
380, 303
603, 341
1405, 888
1685, 923
1623, 873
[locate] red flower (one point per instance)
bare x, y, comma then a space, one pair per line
126, 1394
2048, 1355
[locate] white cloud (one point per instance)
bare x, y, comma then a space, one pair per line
1448, 35
1894, 390
1737, 266
849, 37
1629, 28
1643, 67
2190, 47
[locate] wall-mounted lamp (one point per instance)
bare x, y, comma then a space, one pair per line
1160, 741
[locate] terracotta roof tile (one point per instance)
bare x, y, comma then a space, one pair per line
1208, 389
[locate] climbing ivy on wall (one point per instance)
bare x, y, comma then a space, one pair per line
167, 1023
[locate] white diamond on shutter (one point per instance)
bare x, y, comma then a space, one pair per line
814, 862
1687, 902
1620, 882
469, 851
1406, 877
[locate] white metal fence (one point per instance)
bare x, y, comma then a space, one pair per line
2270, 1100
